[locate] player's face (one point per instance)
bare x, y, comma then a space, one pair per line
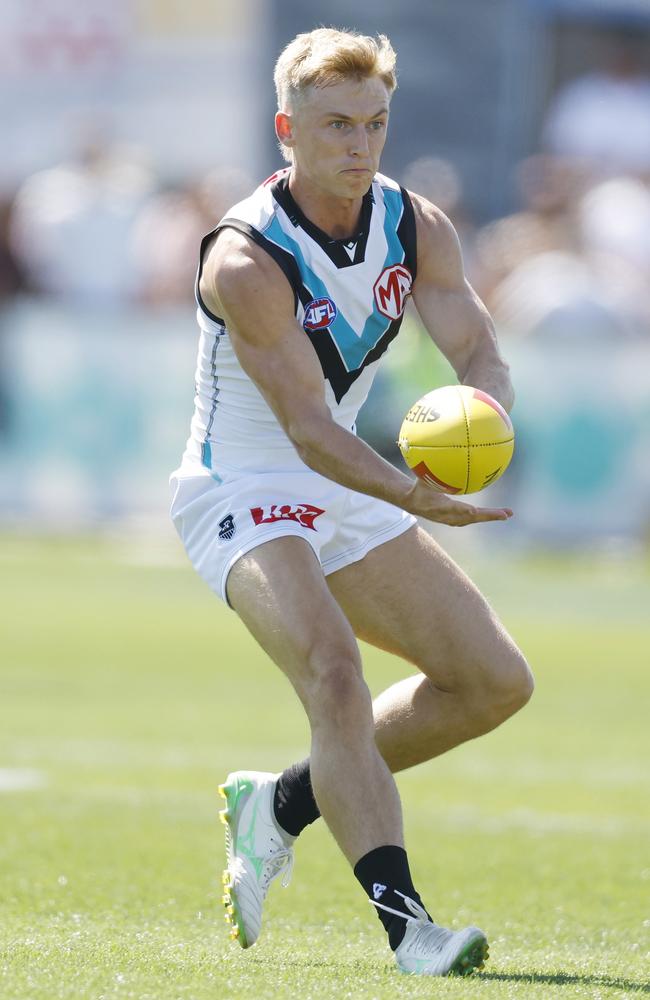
338, 133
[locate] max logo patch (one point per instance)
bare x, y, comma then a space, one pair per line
303, 513
319, 314
392, 288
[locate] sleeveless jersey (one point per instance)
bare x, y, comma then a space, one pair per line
349, 300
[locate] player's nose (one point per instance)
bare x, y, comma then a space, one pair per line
359, 141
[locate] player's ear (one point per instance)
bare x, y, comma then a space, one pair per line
284, 129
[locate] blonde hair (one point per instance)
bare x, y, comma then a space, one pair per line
326, 56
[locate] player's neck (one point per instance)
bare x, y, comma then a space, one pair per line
338, 217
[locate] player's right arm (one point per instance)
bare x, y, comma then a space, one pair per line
242, 283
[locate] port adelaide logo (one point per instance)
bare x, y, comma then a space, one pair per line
227, 528
319, 314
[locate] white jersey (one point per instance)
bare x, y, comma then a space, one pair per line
349, 299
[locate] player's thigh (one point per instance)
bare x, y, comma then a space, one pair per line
279, 591
408, 597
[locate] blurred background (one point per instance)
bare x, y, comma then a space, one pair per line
130, 127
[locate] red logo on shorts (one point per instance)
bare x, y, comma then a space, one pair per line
391, 290
303, 513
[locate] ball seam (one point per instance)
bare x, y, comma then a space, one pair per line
484, 444
467, 445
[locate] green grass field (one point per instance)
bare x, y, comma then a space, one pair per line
126, 694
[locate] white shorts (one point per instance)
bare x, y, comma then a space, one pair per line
219, 522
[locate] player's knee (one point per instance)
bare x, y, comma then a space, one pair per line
510, 685
525, 682
336, 694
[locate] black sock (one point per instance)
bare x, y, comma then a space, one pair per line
381, 872
294, 804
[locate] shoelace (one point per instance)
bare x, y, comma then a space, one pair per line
279, 860
418, 912
429, 936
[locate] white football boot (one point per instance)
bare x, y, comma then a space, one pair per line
257, 850
430, 950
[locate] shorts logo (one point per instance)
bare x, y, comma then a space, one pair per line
227, 528
391, 289
303, 513
319, 314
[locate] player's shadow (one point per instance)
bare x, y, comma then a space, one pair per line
566, 979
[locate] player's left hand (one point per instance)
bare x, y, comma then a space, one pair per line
428, 503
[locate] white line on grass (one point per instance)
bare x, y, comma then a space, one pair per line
538, 822
20, 779
595, 773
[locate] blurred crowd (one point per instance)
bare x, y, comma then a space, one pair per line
572, 260
104, 229
98, 256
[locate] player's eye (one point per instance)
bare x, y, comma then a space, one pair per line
377, 125
337, 125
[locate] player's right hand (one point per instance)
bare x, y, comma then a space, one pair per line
424, 501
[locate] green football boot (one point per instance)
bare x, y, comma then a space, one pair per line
257, 850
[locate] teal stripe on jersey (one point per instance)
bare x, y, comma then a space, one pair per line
394, 207
352, 346
206, 460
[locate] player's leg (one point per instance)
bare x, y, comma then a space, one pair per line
408, 597
279, 591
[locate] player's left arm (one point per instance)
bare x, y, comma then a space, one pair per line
454, 316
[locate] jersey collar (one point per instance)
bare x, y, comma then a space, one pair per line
342, 253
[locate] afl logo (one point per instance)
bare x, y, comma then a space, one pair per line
391, 290
319, 314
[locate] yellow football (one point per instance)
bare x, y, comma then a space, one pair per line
458, 439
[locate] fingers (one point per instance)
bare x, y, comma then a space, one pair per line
448, 510
458, 514
492, 513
